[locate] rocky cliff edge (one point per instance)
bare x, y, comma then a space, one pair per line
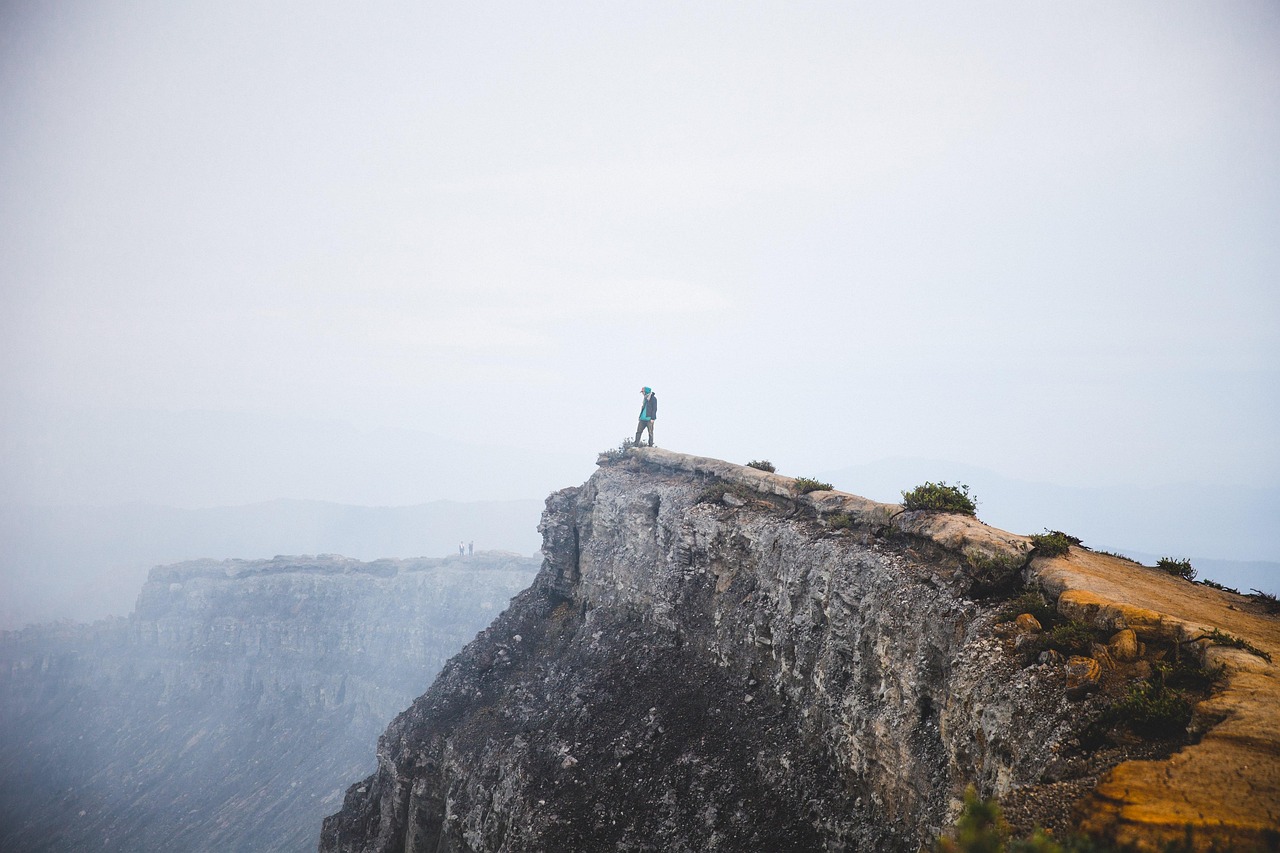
706, 663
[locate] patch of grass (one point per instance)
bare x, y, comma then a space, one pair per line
1032, 602
1150, 710
941, 497
615, 454
762, 464
1052, 543
804, 485
1268, 601
716, 491
1222, 638
1184, 674
995, 571
1069, 638
1177, 568
839, 521
712, 494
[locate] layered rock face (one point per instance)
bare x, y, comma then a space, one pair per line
700, 670
228, 711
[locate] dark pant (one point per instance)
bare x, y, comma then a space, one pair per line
640, 429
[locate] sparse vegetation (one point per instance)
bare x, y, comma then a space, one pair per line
1150, 710
1185, 674
1268, 601
996, 571
1117, 556
1215, 585
1052, 543
1177, 568
804, 485
941, 497
839, 521
1071, 638
716, 491
615, 454
1032, 602
1222, 638
981, 828
762, 464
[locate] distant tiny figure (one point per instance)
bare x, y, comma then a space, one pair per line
471, 548
462, 550
648, 414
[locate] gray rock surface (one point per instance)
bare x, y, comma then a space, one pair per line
691, 674
231, 708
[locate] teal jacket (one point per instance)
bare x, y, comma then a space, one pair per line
649, 409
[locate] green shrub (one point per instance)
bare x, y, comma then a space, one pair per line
1151, 710
804, 485
615, 454
1177, 568
1215, 585
1052, 543
1184, 674
941, 498
712, 494
995, 571
715, 492
762, 464
981, 828
1070, 638
839, 521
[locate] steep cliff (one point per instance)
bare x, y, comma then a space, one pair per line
229, 709
707, 662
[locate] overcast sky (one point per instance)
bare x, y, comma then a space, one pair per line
1041, 238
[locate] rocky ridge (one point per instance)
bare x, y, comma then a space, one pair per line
228, 711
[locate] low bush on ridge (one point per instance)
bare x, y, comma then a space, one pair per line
1177, 568
804, 485
615, 454
941, 497
1052, 543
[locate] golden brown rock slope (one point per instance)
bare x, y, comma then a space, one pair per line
1227, 786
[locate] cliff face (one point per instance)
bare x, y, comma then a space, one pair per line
229, 709
723, 674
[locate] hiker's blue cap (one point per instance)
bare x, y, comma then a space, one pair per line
647, 389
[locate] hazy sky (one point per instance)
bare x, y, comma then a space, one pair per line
1036, 237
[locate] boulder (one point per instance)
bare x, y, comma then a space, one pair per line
1028, 624
1083, 676
1123, 646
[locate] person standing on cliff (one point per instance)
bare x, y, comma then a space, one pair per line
648, 414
